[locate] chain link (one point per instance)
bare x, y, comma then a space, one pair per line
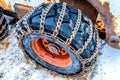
19, 28
1, 19
75, 30
88, 69
43, 16
96, 48
26, 25
3, 35
80, 51
24, 19
3, 28
59, 22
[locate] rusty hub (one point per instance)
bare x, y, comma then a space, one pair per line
51, 53
53, 48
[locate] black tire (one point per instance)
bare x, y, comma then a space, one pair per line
64, 33
3, 26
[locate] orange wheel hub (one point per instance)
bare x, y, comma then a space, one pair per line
51, 53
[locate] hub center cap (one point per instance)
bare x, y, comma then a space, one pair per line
54, 49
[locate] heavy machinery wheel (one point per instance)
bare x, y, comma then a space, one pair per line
3, 25
60, 38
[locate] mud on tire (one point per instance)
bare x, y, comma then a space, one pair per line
77, 38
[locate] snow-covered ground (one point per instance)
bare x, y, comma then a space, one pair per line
108, 65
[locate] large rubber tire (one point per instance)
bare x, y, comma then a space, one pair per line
3, 26
64, 33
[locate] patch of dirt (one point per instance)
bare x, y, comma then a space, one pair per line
4, 44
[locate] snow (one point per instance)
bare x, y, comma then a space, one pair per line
108, 65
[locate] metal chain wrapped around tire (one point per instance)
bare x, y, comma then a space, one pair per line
3, 25
60, 38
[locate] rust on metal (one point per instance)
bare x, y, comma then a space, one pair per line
112, 33
54, 48
21, 9
100, 26
106, 20
51, 53
85, 7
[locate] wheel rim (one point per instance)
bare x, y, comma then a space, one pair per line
51, 53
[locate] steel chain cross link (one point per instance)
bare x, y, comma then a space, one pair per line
43, 16
84, 61
19, 28
59, 22
75, 30
3, 35
3, 28
26, 26
26, 16
80, 51
24, 20
96, 48
1, 19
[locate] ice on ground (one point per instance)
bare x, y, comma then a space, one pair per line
108, 65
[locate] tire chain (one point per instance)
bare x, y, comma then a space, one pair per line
26, 16
75, 30
96, 48
1, 19
3, 27
43, 16
6, 32
80, 50
59, 22
55, 33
